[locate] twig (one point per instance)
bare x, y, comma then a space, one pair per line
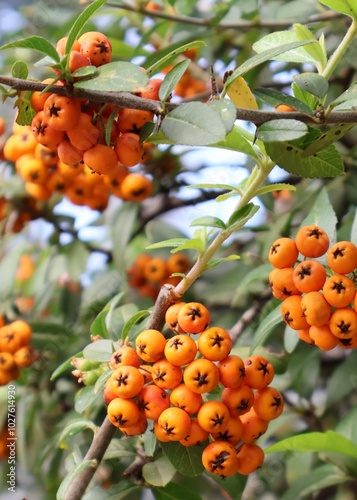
127, 100
223, 25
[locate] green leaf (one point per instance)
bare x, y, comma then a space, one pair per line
274, 98
35, 43
314, 49
316, 85
291, 339
67, 481
65, 366
322, 214
343, 380
297, 54
279, 186
334, 134
238, 140
349, 95
347, 7
166, 59
186, 460
281, 130
19, 70
100, 350
241, 216
264, 56
171, 243
74, 427
118, 76
84, 398
136, 318
326, 163
314, 482
212, 264
208, 185
193, 124
122, 225
303, 96
265, 328
172, 78
226, 110
315, 442
160, 472
81, 21
209, 221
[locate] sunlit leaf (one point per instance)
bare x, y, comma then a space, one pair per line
281, 130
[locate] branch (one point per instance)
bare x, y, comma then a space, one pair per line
127, 100
223, 25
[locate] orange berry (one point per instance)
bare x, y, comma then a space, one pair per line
283, 253
312, 241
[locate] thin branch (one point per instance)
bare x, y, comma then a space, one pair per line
205, 22
127, 100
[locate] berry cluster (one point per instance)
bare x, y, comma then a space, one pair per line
147, 274
82, 149
15, 350
319, 301
170, 381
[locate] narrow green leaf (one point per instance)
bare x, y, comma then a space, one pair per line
274, 98
133, 321
347, 7
347, 426
122, 225
334, 134
172, 78
314, 49
35, 43
315, 442
349, 95
313, 83
241, 216
314, 481
281, 130
304, 96
265, 328
81, 21
118, 76
208, 185
193, 244
296, 54
67, 481
19, 70
166, 59
85, 398
279, 186
74, 427
186, 460
65, 366
322, 214
172, 242
209, 221
193, 124
264, 56
212, 264
326, 163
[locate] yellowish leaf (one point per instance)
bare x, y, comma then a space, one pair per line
241, 94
